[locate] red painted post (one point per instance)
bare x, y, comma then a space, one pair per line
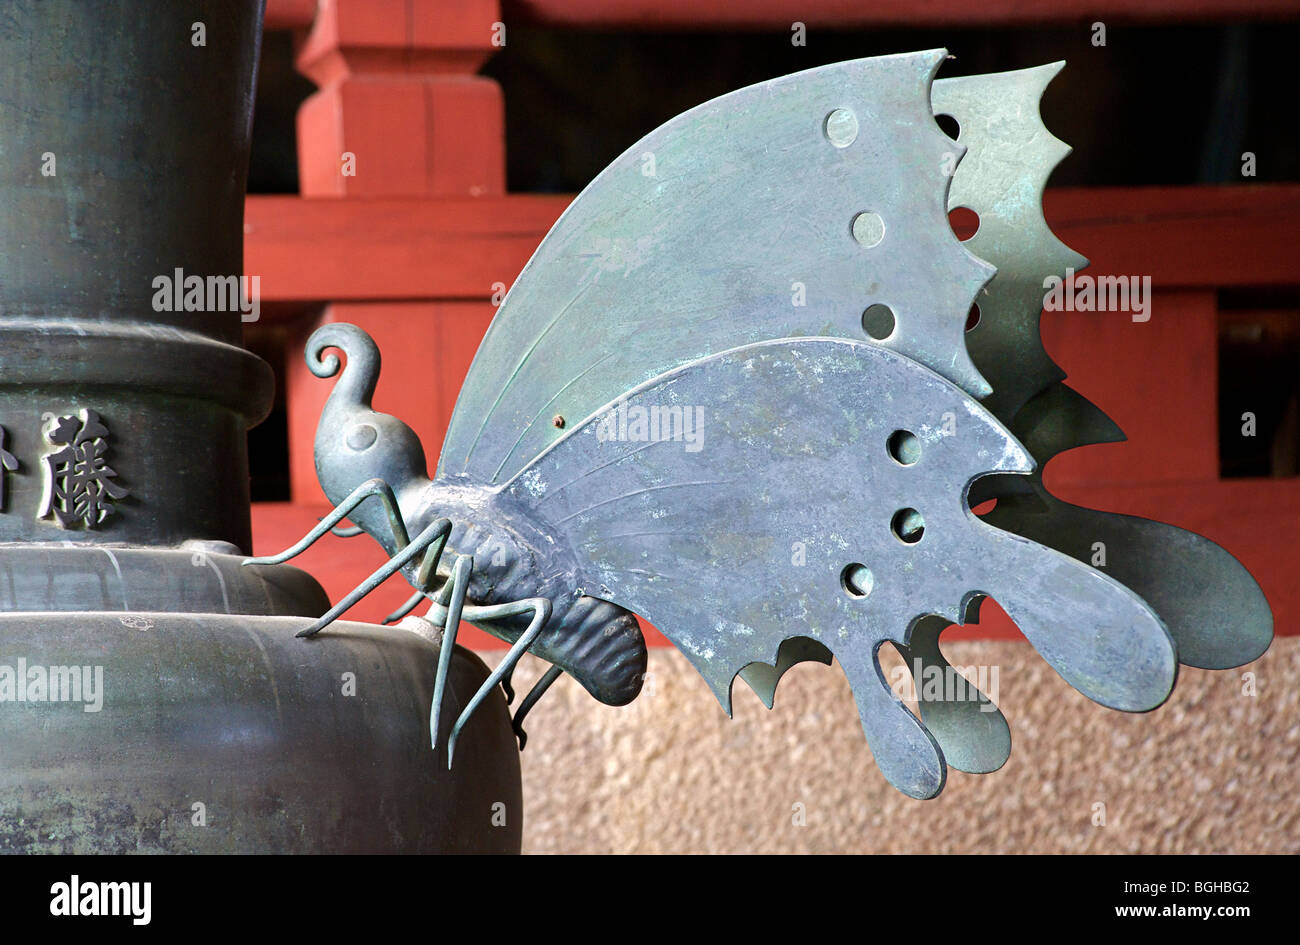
399, 114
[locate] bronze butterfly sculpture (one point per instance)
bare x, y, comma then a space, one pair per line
749, 334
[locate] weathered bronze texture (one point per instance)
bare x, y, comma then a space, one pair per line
736, 392
237, 715
153, 696
126, 148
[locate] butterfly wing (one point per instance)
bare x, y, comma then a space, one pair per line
732, 223
1010, 156
1212, 606
1210, 603
743, 524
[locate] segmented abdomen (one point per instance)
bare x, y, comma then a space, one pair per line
596, 642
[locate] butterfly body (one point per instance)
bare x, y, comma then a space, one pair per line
698, 540
596, 642
732, 396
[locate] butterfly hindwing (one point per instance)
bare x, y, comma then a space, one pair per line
734, 502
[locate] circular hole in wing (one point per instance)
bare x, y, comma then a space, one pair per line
908, 526
948, 125
973, 317
964, 220
857, 581
868, 229
841, 127
904, 447
878, 321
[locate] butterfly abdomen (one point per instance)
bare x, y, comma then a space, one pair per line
597, 643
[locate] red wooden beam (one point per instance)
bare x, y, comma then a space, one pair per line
838, 14
400, 111
1156, 379
323, 250
849, 14
1185, 237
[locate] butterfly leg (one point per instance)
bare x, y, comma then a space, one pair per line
410, 604
507, 686
446, 610
530, 700
371, 487
540, 608
433, 536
